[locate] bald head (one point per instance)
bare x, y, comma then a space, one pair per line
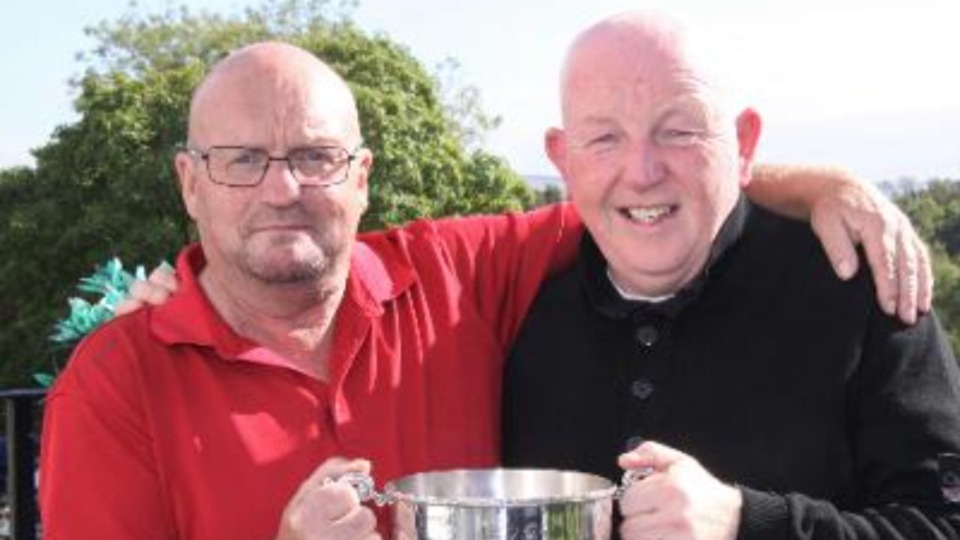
270, 78
278, 107
649, 40
624, 35
652, 154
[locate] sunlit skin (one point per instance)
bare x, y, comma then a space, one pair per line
277, 253
278, 231
652, 161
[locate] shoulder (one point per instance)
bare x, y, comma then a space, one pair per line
551, 218
767, 229
108, 358
544, 230
790, 247
779, 264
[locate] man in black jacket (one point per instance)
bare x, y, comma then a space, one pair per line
707, 338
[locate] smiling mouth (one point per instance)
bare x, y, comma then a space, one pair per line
648, 215
280, 227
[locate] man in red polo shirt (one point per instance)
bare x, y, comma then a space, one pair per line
291, 339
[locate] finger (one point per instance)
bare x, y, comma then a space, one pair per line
332, 468
127, 305
924, 276
906, 279
839, 243
650, 454
165, 277
147, 292
329, 510
641, 498
880, 248
334, 502
360, 522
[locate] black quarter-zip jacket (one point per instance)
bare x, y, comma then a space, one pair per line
768, 369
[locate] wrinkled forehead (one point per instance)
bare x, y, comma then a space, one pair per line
634, 90
624, 62
252, 101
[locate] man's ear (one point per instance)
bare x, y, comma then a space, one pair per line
749, 126
364, 165
555, 144
187, 176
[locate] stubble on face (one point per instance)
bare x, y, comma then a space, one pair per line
284, 258
279, 232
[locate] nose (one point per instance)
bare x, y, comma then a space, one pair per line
279, 186
643, 164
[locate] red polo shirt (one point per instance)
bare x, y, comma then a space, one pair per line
166, 424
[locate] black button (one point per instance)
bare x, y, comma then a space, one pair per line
647, 335
632, 443
641, 388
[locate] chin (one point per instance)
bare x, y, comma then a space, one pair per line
287, 268
655, 267
288, 274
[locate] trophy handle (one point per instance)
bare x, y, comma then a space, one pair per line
629, 477
362, 483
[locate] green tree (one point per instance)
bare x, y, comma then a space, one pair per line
934, 208
104, 185
549, 194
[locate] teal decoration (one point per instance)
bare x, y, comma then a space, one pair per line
112, 283
45, 380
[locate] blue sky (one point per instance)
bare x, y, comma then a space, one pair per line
868, 84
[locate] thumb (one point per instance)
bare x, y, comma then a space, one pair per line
337, 467
651, 455
332, 469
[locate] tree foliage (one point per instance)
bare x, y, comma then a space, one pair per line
934, 209
549, 194
104, 185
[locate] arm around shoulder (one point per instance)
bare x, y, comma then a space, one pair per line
904, 414
845, 212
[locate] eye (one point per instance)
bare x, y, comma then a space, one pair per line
678, 136
243, 157
602, 140
318, 160
316, 156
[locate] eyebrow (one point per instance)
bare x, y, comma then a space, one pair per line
595, 119
683, 106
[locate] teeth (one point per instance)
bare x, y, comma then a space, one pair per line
649, 214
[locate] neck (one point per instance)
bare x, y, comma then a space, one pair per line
626, 294
654, 286
293, 320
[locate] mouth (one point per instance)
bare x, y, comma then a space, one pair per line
649, 215
280, 227
279, 230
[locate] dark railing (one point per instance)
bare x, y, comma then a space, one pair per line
22, 407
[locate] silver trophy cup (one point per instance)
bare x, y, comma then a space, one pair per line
497, 504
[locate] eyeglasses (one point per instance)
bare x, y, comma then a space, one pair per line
240, 166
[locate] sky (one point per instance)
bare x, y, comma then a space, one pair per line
871, 85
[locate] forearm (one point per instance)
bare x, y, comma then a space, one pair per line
767, 515
902, 403
792, 190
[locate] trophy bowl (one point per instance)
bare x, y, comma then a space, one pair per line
496, 504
